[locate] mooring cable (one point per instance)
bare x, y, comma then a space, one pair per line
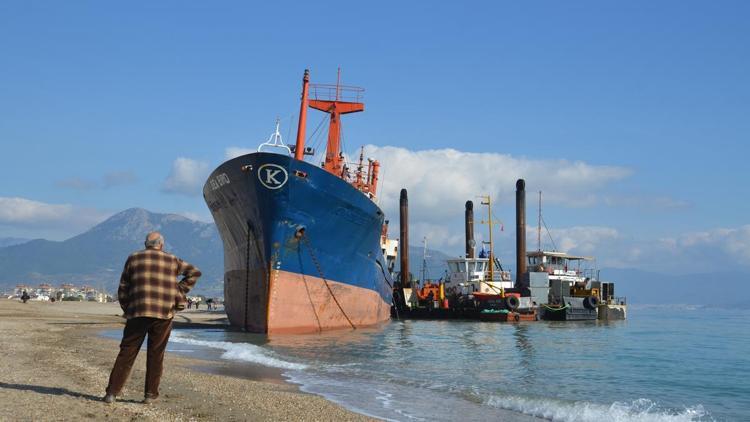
393, 302
307, 289
320, 271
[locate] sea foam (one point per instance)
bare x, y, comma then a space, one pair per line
641, 410
239, 351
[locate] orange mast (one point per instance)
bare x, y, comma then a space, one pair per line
335, 107
336, 100
299, 148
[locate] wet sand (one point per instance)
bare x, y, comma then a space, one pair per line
55, 366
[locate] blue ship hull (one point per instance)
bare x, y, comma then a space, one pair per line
302, 247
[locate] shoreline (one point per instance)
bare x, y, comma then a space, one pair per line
56, 365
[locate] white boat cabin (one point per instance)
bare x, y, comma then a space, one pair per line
560, 265
469, 275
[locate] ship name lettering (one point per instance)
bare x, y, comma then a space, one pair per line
219, 181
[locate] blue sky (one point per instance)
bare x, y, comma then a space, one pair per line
632, 117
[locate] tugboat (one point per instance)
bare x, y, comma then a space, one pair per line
303, 244
474, 287
573, 292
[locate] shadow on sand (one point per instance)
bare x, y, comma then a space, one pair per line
57, 391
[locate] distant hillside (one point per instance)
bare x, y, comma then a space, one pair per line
10, 241
96, 257
643, 287
435, 267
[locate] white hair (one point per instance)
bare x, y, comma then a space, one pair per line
154, 242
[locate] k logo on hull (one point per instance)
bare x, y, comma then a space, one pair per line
272, 176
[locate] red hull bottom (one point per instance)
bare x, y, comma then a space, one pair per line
300, 304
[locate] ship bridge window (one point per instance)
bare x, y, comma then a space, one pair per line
472, 267
453, 267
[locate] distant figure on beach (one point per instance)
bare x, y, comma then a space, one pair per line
25, 297
197, 302
149, 294
190, 303
209, 304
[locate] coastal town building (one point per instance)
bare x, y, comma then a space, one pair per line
65, 291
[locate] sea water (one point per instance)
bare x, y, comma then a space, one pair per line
674, 363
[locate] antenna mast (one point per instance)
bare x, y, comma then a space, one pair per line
539, 226
486, 200
424, 261
328, 99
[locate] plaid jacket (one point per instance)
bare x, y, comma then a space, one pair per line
149, 287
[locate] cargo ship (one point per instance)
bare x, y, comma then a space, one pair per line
305, 247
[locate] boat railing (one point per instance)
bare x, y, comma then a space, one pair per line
591, 274
330, 92
275, 141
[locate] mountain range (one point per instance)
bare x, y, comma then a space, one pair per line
10, 241
96, 257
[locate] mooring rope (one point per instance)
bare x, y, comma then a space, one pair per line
304, 282
555, 309
320, 271
393, 302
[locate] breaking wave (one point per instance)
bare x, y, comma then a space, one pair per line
641, 410
239, 351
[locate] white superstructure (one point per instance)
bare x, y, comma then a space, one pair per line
469, 275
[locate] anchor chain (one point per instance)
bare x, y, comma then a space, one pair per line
304, 238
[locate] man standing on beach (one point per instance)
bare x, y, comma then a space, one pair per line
149, 294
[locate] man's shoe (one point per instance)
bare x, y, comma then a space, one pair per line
149, 400
109, 398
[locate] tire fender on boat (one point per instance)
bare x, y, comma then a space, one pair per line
512, 302
591, 302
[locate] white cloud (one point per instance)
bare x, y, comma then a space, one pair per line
719, 249
584, 240
186, 177
30, 218
439, 182
233, 152
442, 179
25, 211
733, 243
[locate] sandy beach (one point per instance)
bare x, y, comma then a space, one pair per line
55, 366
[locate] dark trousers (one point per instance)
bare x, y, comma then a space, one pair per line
158, 331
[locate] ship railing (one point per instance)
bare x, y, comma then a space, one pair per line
275, 141
591, 274
329, 92
617, 300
